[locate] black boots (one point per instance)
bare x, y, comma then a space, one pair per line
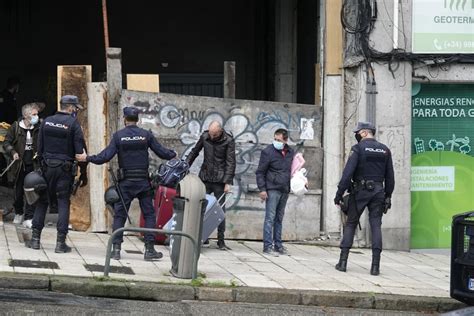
221, 245
34, 242
116, 251
342, 264
61, 246
375, 268
150, 252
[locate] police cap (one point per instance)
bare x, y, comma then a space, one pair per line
364, 125
130, 111
71, 99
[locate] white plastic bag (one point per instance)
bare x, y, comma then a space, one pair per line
299, 182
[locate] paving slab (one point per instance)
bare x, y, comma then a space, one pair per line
308, 267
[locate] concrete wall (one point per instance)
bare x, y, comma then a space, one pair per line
333, 116
177, 121
392, 113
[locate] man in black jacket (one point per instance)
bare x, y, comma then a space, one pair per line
273, 181
218, 169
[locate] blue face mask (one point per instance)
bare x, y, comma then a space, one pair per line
278, 145
34, 119
74, 114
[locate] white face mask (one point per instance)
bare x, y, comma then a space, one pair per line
34, 119
278, 145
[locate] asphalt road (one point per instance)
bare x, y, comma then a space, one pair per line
26, 302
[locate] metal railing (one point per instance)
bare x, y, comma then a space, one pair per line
154, 231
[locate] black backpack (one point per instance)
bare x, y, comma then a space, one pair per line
169, 174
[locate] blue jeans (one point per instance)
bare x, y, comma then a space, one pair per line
274, 211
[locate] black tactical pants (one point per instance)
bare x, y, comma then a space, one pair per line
374, 201
59, 183
140, 189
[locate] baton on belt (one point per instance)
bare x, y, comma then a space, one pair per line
119, 191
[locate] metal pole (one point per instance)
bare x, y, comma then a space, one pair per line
155, 231
106, 27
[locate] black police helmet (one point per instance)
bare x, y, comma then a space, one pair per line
33, 185
111, 196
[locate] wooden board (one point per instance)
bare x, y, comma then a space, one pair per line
145, 83
98, 177
73, 80
334, 37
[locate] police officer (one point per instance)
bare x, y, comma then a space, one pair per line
369, 178
131, 144
59, 140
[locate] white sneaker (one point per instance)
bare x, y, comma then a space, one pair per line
18, 219
27, 223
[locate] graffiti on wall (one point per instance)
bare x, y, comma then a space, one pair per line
248, 134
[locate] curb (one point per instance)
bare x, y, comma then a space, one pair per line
150, 291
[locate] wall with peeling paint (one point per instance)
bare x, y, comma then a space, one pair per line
177, 121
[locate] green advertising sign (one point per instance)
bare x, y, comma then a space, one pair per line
442, 174
443, 26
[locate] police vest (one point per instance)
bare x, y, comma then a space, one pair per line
372, 161
58, 136
133, 148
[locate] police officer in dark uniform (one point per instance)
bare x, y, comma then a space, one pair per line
59, 140
368, 177
131, 144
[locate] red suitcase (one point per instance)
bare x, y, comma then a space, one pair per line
163, 205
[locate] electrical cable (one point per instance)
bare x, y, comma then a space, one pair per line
363, 26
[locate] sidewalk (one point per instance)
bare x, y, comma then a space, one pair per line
307, 268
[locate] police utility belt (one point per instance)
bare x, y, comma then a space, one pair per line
368, 185
65, 165
132, 174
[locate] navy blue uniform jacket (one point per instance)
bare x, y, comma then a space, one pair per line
368, 160
60, 137
132, 143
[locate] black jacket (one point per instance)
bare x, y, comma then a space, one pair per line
15, 142
274, 169
219, 158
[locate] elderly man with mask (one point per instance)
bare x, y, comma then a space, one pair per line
21, 144
218, 168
